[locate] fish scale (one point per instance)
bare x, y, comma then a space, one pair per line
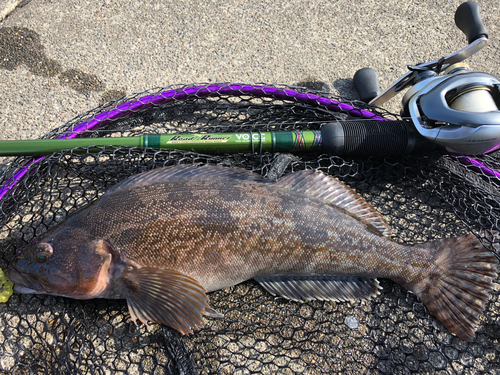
163, 239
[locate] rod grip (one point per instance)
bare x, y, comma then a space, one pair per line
372, 138
468, 19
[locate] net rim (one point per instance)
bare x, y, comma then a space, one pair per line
296, 94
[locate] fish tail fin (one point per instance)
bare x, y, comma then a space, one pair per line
457, 288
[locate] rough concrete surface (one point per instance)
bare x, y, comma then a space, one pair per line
8, 6
60, 58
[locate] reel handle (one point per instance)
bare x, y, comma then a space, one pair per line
372, 138
468, 19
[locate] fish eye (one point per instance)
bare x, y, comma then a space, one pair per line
42, 252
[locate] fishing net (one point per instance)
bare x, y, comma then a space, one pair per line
423, 197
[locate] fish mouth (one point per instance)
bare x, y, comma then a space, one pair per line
24, 283
59, 284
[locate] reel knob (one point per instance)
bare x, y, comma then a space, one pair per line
366, 83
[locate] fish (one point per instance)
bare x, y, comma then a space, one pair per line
163, 239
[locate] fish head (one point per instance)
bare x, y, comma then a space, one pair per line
66, 262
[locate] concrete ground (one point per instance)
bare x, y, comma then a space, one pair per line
61, 58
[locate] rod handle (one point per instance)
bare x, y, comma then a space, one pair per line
372, 138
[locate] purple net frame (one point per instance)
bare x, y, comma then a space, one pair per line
214, 90
185, 93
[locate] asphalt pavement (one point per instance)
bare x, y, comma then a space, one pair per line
61, 58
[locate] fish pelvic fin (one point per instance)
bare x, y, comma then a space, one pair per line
167, 297
317, 185
457, 288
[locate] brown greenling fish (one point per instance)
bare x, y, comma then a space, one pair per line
164, 238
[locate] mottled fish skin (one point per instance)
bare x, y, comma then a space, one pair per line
211, 227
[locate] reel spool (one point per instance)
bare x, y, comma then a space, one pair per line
470, 98
473, 98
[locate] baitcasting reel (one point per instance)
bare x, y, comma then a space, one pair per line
458, 110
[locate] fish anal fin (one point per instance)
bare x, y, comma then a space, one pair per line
320, 186
213, 313
167, 297
456, 290
325, 288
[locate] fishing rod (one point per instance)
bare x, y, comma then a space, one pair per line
365, 138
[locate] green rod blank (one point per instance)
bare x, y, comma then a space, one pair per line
210, 143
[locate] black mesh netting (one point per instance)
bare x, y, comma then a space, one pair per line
423, 197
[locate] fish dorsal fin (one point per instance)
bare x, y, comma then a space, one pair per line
184, 172
318, 185
325, 288
167, 297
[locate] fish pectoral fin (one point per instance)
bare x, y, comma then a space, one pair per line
167, 297
325, 288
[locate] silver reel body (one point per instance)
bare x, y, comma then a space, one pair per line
458, 111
